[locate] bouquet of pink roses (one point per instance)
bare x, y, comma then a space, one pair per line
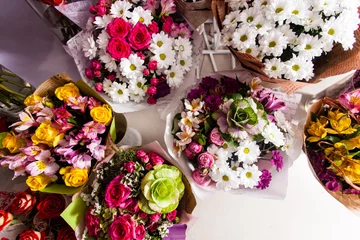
138, 50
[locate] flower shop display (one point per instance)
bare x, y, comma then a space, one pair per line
61, 134
136, 194
293, 40
232, 135
31, 216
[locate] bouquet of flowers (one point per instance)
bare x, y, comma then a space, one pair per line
61, 134
136, 195
34, 216
138, 50
234, 135
282, 38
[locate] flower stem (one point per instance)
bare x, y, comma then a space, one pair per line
2, 86
14, 83
5, 73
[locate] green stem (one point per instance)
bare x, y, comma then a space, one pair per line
14, 83
8, 74
12, 92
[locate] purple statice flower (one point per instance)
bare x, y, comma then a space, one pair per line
230, 85
277, 160
209, 83
268, 99
195, 93
351, 191
212, 102
333, 186
265, 179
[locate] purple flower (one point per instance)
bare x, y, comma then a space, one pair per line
277, 160
351, 191
162, 89
209, 83
230, 85
265, 179
268, 99
333, 186
196, 93
212, 102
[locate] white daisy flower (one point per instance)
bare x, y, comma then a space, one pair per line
253, 50
299, 10
132, 67
287, 32
138, 86
89, 25
184, 63
274, 67
309, 46
313, 21
244, 37
333, 29
237, 4
273, 43
159, 41
89, 47
174, 76
102, 22
110, 63
260, 3
226, 179
141, 15
299, 68
107, 85
273, 134
138, 98
119, 92
283, 123
249, 176
103, 39
263, 25
327, 7
248, 152
248, 15
164, 56
183, 47
231, 19
120, 9
278, 11
226, 37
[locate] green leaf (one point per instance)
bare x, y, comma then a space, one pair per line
144, 205
229, 140
2, 136
61, 189
201, 139
113, 130
74, 213
332, 139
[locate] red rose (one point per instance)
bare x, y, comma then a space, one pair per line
118, 48
118, 28
32, 235
5, 219
92, 223
123, 228
66, 233
140, 232
23, 203
51, 206
139, 37
53, 2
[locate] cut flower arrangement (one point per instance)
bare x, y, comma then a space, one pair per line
287, 36
139, 50
233, 134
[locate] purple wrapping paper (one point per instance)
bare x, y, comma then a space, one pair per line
177, 232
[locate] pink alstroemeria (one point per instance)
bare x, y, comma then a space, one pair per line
351, 101
15, 163
79, 103
64, 124
61, 112
167, 7
27, 121
31, 152
97, 150
81, 161
92, 102
152, 5
44, 164
92, 129
44, 115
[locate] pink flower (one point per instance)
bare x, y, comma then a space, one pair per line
205, 160
141, 55
61, 112
101, 10
129, 166
92, 223
89, 73
133, 206
139, 37
99, 87
168, 24
81, 161
93, 103
153, 65
148, 166
189, 154
215, 137
155, 158
151, 90
118, 48
97, 73
111, 77
123, 228
95, 64
195, 147
44, 115
142, 155
200, 179
181, 31
151, 100
116, 193
155, 217
142, 215
64, 124
152, 5
92, 129
153, 27
171, 216
118, 28
152, 227
154, 81
146, 72
351, 101
167, 7
140, 232
97, 150
79, 103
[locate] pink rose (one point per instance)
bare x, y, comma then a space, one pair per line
171, 216
153, 65
195, 147
141, 153
151, 100
140, 232
151, 90
205, 160
118, 48
97, 73
155, 217
118, 28
95, 64
111, 77
123, 228
92, 223
152, 227
89, 73
141, 55
101, 10
155, 158
116, 193
139, 37
153, 27
199, 178
142, 215
148, 166
215, 137
99, 87
146, 72
168, 24
189, 154
133, 206
129, 166
154, 81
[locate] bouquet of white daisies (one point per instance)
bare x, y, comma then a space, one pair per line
282, 38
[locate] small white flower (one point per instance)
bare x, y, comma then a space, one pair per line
273, 134
110, 63
237, 4
165, 57
283, 123
226, 37
225, 178
260, 3
333, 29
89, 47
327, 7
263, 25
107, 85
137, 86
252, 50
244, 37
273, 43
187, 118
278, 11
136, 97
287, 32
309, 46
183, 47
274, 67
132, 67
102, 22
248, 15
248, 152
159, 41
119, 92
249, 176
299, 68
313, 21
299, 10
103, 39
141, 15
184, 63
120, 9
231, 19
174, 76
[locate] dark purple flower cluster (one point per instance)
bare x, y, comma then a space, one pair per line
277, 160
265, 179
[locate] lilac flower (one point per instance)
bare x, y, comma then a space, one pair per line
196, 93
277, 160
230, 85
265, 179
209, 83
212, 102
333, 186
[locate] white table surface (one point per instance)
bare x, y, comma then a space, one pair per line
307, 213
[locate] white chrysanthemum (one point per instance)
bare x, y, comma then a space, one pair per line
249, 176
299, 10
232, 19
165, 57
283, 123
248, 15
102, 22
110, 63
349, 4
174, 76
244, 37
261, 3
121, 9
89, 47
89, 25
132, 67
287, 32
184, 63
252, 50
225, 178
138, 86
141, 15
278, 11
309, 46
326, 7
263, 25
226, 37
248, 152
237, 4
299, 68
274, 67
138, 98
333, 29
119, 92
107, 85
183, 47
273, 134
313, 20
103, 39
160, 40
273, 43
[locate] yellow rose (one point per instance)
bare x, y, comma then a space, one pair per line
12, 143
47, 133
68, 90
102, 114
38, 182
32, 100
74, 177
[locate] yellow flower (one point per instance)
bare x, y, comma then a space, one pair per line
47, 133
102, 114
38, 182
317, 130
352, 171
32, 100
74, 177
68, 90
352, 143
340, 123
12, 143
